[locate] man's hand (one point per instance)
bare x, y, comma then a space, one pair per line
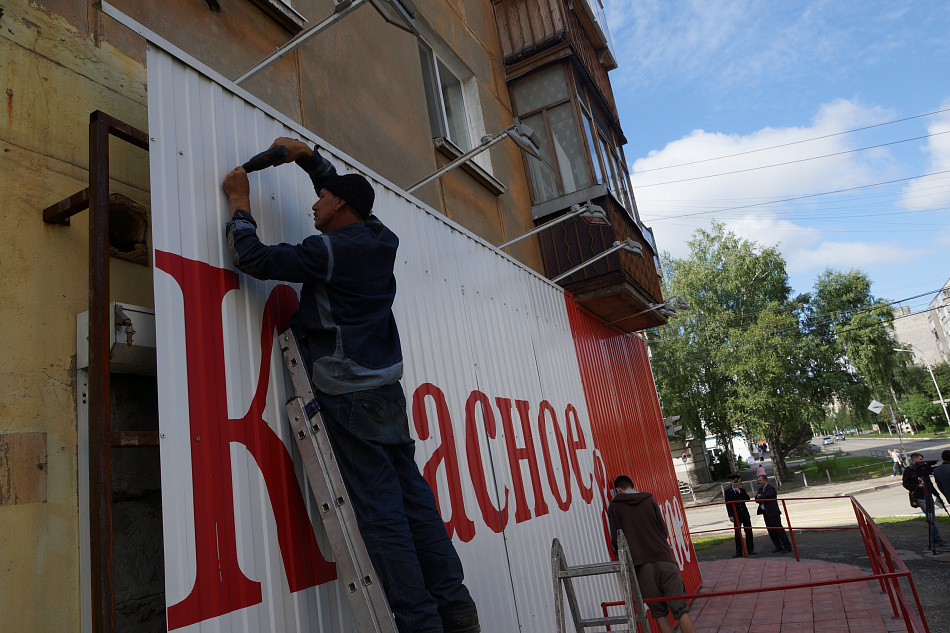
295, 147
238, 189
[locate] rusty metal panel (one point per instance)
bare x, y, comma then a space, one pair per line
497, 398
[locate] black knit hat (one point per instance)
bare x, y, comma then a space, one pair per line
355, 190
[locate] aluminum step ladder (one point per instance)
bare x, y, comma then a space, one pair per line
635, 611
355, 571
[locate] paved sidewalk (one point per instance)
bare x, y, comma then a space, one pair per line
853, 607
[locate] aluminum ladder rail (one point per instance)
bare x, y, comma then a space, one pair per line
361, 585
635, 611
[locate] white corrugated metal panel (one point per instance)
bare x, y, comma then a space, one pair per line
471, 320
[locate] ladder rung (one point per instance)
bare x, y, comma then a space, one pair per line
613, 619
588, 570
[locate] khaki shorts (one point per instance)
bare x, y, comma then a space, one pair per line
662, 579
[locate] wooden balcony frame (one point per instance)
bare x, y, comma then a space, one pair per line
615, 286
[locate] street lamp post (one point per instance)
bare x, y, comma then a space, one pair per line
943, 402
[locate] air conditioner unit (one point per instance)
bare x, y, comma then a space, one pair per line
131, 340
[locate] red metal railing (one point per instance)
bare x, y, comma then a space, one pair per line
887, 566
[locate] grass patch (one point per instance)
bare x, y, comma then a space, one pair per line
709, 542
942, 519
838, 467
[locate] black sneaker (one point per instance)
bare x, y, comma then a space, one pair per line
737, 555
751, 553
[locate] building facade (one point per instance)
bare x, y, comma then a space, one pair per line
401, 104
927, 331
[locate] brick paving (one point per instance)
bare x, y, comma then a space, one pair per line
857, 607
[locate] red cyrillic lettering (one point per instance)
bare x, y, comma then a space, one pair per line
516, 455
446, 453
576, 441
220, 585
565, 503
495, 519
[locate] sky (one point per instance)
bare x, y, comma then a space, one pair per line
699, 82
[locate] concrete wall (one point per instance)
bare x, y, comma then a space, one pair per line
359, 85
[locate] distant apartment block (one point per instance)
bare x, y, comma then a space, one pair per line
927, 331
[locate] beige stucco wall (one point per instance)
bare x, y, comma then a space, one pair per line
359, 85
53, 76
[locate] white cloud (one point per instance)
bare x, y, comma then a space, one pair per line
800, 227
932, 192
847, 255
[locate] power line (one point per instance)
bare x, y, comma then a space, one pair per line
790, 162
792, 199
807, 140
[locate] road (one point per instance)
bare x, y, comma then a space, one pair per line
863, 446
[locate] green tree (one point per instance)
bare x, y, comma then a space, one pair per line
772, 392
747, 359
853, 354
921, 409
727, 281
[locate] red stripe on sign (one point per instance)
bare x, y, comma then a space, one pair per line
626, 423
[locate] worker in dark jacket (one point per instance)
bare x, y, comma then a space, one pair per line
638, 515
735, 497
768, 507
347, 333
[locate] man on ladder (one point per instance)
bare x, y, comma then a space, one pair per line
348, 338
638, 515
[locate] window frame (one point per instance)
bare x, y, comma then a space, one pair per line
543, 110
435, 101
605, 162
284, 13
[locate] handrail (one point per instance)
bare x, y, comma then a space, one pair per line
886, 565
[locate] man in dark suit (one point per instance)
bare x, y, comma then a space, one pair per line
735, 497
768, 507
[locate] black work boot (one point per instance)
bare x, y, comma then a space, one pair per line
460, 622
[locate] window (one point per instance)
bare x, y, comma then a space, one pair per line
543, 103
610, 166
445, 95
578, 146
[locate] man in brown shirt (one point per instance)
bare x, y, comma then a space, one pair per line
638, 515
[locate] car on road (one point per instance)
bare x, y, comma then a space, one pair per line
839, 436
827, 440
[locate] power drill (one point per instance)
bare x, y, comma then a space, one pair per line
266, 158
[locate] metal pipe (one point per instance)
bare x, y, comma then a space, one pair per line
461, 159
627, 244
100, 419
538, 229
791, 533
300, 38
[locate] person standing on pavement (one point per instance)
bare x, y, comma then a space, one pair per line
898, 462
348, 337
942, 474
735, 497
917, 481
768, 507
638, 515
